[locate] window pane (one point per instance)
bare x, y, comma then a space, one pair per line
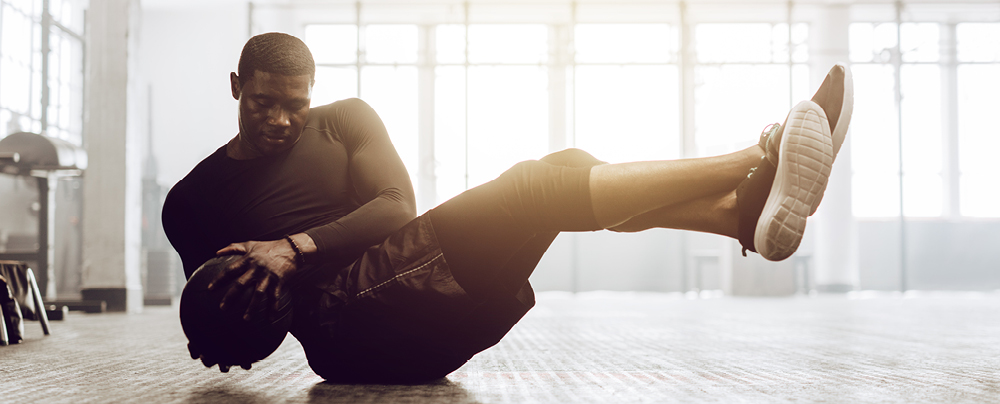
334, 83
29, 7
875, 195
922, 137
69, 13
978, 139
16, 31
627, 113
449, 131
16, 84
392, 92
919, 42
874, 135
391, 43
923, 193
871, 42
748, 43
624, 43
332, 43
450, 43
508, 119
800, 44
978, 104
733, 103
980, 195
874, 142
978, 42
495, 43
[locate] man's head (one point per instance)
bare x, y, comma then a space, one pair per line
274, 87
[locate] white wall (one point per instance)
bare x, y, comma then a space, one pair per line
187, 54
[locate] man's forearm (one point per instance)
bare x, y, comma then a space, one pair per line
368, 225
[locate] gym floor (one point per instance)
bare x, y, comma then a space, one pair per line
596, 347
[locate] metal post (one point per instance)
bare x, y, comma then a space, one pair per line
897, 64
40, 313
46, 227
46, 37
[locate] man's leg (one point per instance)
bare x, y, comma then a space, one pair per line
489, 232
716, 214
487, 252
622, 191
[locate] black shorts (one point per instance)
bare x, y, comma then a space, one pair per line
398, 316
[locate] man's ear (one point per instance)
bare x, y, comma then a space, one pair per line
234, 83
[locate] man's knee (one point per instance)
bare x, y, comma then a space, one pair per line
572, 157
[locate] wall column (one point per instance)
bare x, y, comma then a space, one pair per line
836, 251
112, 198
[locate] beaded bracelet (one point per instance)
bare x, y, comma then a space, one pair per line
299, 257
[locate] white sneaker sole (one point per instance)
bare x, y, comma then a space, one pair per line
844, 121
839, 133
804, 164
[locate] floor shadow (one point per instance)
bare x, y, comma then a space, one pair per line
441, 390
223, 395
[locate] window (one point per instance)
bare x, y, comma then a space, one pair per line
380, 69
978, 47
627, 98
20, 67
39, 91
930, 168
739, 62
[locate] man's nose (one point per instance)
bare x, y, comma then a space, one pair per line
279, 117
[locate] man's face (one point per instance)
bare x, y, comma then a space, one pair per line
273, 110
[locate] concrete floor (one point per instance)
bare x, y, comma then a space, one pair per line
592, 348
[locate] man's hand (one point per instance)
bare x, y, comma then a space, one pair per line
209, 362
266, 267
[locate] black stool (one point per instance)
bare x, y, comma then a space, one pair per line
21, 281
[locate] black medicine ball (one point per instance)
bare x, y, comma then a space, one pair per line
224, 335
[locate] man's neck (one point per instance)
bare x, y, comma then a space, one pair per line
237, 149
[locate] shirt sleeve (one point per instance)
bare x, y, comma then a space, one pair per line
380, 181
184, 227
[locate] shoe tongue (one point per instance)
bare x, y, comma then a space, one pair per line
773, 146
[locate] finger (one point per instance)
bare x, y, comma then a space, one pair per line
236, 248
236, 289
224, 368
206, 361
278, 289
234, 269
245, 366
194, 353
259, 298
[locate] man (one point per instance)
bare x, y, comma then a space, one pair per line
319, 205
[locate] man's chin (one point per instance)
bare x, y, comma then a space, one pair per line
269, 146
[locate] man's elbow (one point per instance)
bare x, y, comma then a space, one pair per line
405, 202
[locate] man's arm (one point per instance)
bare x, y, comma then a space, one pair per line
382, 185
184, 226
380, 180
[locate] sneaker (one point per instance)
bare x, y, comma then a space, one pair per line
836, 97
770, 139
751, 195
805, 159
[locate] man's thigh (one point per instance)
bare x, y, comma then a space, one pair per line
398, 314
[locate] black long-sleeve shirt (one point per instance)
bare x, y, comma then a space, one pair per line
342, 183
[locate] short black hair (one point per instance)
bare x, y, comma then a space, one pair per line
275, 52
